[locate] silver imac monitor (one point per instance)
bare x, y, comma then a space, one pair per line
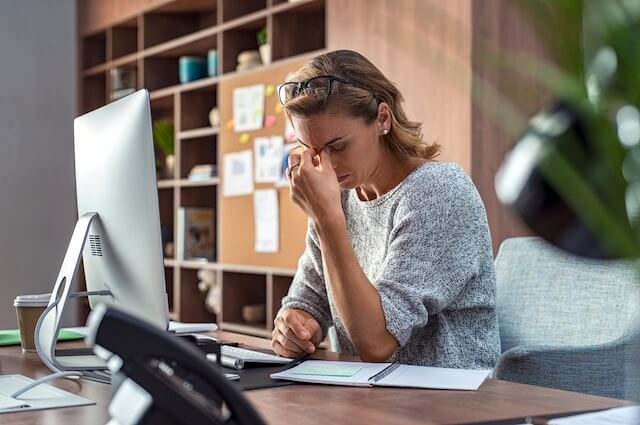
116, 178
118, 229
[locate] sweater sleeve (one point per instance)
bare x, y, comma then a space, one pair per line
308, 291
433, 254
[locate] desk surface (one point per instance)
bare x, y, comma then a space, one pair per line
318, 404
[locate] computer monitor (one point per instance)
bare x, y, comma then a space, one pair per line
116, 178
119, 220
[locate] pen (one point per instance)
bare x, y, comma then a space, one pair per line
296, 361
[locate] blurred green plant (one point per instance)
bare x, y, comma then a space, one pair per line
262, 36
164, 136
588, 149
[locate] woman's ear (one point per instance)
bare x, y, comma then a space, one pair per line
384, 118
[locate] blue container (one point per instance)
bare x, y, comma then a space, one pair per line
212, 62
191, 68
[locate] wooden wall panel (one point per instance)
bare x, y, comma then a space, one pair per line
423, 46
95, 15
497, 25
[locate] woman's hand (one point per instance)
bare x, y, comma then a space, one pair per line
295, 332
314, 185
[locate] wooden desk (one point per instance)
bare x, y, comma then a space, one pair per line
318, 404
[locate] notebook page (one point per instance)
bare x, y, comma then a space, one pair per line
434, 377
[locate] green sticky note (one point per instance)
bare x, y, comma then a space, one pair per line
12, 336
344, 371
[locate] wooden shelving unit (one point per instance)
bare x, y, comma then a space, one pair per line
150, 43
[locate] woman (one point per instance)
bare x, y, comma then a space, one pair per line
398, 254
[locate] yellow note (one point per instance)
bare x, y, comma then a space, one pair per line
244, 138
269, 90
230, 124
278, 108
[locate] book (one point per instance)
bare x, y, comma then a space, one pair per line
362, 374
196, 234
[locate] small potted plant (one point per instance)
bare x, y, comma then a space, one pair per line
164, 139
264, 46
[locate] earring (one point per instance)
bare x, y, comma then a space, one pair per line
385, 131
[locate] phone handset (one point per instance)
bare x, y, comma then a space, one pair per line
168, 381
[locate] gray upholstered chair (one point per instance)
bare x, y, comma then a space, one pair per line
566, 322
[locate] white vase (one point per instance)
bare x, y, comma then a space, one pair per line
169, 165
265, 54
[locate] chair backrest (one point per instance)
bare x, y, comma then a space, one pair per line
548, 297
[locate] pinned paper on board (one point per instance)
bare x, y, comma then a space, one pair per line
248, 107
229, 124
269, 121
283, 181
268, 157
244, 138
278, 108
238, 173
265, 211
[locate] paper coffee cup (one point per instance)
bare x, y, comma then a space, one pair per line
28, 309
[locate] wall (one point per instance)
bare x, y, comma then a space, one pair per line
424, 46
37, 105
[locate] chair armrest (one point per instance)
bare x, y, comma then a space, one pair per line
600, 369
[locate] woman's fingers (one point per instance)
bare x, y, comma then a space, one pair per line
286, 334
280, 350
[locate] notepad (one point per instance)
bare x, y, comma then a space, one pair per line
41, 397
12, 336
362, 374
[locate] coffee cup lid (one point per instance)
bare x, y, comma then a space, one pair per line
39, 300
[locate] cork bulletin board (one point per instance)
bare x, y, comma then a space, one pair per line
237, 226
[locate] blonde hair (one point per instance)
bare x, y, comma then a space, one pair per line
368, 87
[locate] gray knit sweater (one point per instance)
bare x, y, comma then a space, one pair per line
425, 246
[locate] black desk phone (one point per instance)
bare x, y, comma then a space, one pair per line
164, 380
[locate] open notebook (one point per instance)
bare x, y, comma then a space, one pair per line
363, 374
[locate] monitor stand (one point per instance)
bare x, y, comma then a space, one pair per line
49, 323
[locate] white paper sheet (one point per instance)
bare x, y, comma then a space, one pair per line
265, 211
268, 157
248, 108
629, 415
238, 173
283, 181
44, 396
435, 377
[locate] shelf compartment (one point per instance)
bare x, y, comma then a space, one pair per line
238, 290
165, 202
232, 9
168, 278
160, 72
199, 197
279, 289
124, 39
192, 308
178, 19
298, 30
239, 39
94, 92
197, 151
94, 50
195, 107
